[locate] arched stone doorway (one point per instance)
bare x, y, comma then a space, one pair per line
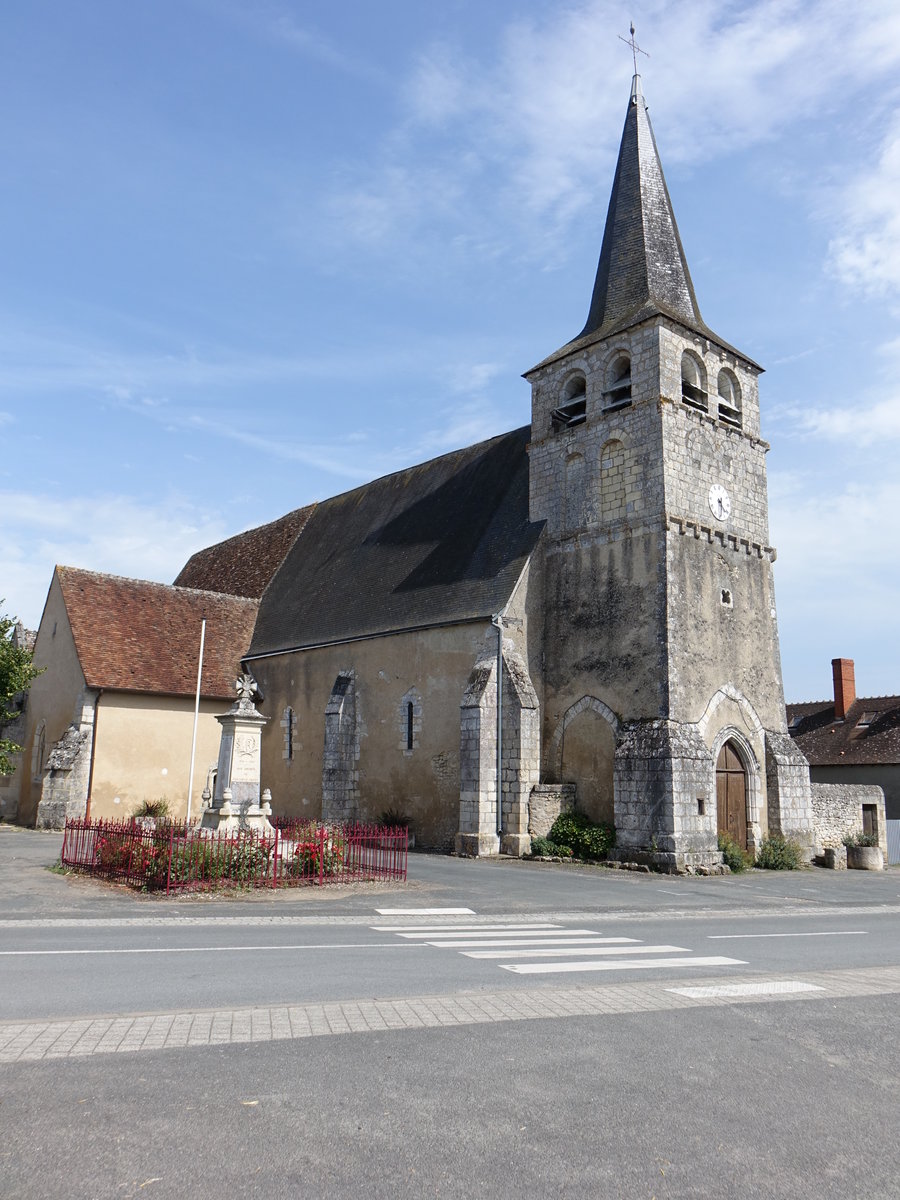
731, 794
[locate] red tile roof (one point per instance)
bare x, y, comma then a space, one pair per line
243, 565
136, 636
869, 734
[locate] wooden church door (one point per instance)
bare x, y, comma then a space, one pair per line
731, 795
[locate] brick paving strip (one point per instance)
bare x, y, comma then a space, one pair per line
43, 1040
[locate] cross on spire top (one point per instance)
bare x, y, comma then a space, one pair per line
635, 48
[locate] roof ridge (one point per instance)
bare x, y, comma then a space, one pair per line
428, 462
170, 587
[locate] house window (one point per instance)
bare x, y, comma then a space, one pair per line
729, 399
409, 724
618, 390
573, 410
693, 383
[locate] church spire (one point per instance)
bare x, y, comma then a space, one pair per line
642, 271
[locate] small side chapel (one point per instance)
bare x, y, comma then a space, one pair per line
584, 604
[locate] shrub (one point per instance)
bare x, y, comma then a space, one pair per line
860, 839
393, 818
158, 809
575, 835
734, 856
777, 853
541, 848
323, 856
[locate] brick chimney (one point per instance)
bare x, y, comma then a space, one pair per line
844, 686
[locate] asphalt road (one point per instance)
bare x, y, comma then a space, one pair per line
578, 1032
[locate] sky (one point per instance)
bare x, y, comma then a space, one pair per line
255, 254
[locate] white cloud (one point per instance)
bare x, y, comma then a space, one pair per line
858, 424
837, 579
527, 134
111, 533
866, 254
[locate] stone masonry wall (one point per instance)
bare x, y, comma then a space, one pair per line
546, 802
837, 812
789, 797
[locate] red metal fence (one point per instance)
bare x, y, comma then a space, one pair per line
174, 857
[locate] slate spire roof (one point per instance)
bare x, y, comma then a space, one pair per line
643, 271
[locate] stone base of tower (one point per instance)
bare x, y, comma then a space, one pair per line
789, 793
665, 814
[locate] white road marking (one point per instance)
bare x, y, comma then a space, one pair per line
619, 965
214, 949
776, 987
423, 929
600, 950
491, 943
425, 912
457, 938
729, 937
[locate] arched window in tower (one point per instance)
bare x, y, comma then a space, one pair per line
693, 382
729, 399
576, 497
613, 482
573, 410
618, 384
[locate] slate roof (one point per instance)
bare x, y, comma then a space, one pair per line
826, 742
643, 271
243, 565
135, 636
434, 544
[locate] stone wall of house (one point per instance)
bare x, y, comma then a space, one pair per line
67, 774
546, 802
838, 812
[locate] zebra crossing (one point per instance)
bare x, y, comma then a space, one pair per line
547, 948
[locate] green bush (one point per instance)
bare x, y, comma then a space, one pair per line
777, 853
541, 848
394, 818
573, 834
158, 809
860, 839
735, 857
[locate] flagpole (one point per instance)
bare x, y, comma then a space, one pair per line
196, 718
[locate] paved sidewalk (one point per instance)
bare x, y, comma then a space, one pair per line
183, 1030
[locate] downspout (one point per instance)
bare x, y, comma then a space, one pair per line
90, 787
497, 622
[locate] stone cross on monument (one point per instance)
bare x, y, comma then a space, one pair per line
236, 803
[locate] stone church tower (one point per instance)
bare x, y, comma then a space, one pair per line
663, 697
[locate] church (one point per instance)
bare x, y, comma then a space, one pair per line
578, 612
581, 609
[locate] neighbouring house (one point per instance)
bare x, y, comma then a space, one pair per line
109, 723
852, 740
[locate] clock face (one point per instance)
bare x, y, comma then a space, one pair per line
719, 502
